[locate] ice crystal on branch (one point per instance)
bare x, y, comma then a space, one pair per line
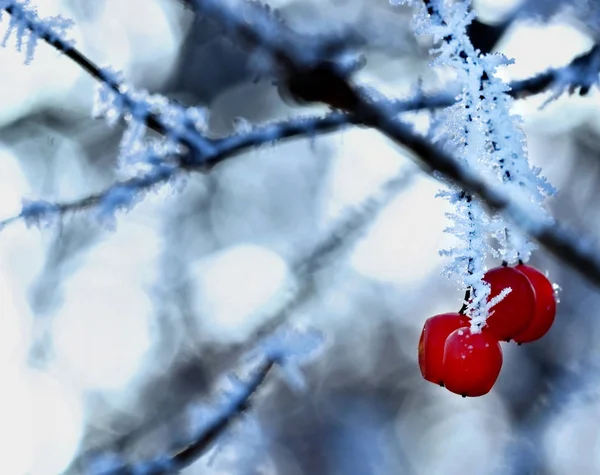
39, 213
479, 129
464, 138
291, 348
27, 27
115, 100
467, 259
508, 158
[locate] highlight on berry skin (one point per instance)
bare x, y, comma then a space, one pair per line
431, 344
545, 305
472, 362
514, 313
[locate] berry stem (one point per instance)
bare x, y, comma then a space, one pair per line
463, 309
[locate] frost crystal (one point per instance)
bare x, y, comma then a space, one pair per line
507, 157
27, 28
115, 100
39, 213
290, 348
481, 131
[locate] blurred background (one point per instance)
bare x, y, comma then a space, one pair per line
107, 335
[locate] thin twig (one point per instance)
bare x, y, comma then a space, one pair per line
233, 410
342, 235
126, 192
219, 420
190, 137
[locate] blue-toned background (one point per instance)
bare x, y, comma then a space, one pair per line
106, 336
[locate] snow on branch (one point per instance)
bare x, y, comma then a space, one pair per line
207, 424
572, 248
272, 338
123, 195
115, 99
28, 28
293, 54
499, 141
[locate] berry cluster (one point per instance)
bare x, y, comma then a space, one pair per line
467, 359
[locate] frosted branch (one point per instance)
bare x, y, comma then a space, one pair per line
571, 248
119, 196
25, 20
292, 57
342, 235
578, 75
26, 26
288, 349
123, 195
208, 425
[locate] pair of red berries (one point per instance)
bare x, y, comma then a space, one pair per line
468, 362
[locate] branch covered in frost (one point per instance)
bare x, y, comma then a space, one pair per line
380, 115
119, 196
573, 249
116, 99
26, 25
492, 139
214, 422
288, 349
462, 135
184, 125
123, 195
297, 347
580, 74
300, 57
207, 426
508, 158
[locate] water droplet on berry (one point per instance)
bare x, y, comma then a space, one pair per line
557, 289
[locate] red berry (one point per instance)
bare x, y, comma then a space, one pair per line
515, 312
432, 341
545, 305
472, 362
